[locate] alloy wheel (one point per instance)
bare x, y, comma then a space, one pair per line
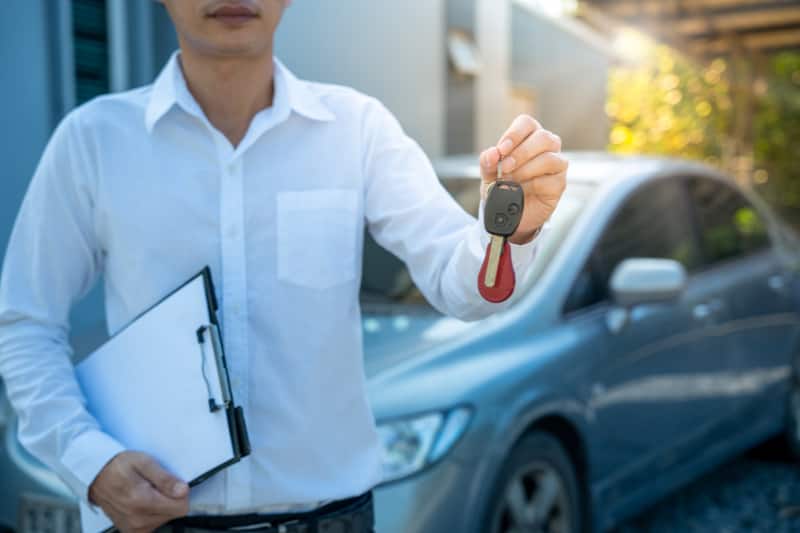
535, 501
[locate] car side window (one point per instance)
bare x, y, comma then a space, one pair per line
585, 292
730, 227
653, 222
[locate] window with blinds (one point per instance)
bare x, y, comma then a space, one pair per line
90, 33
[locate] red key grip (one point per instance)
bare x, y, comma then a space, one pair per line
503, 283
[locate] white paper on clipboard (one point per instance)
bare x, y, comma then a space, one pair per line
146, 388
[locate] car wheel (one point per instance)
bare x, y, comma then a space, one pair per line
537, 490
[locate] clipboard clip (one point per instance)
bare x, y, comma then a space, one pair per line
213, 406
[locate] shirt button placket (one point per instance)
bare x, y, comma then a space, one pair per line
235, 309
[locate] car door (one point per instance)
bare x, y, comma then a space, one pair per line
650, 398
762, 328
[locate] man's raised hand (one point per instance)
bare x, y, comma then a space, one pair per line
531, 156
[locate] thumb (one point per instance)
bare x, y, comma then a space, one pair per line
166, 483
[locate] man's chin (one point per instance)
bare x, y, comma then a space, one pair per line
235, 46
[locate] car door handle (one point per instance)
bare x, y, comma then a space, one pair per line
776, 282
701, 311
704, 310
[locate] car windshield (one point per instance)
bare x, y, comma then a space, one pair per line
386, 282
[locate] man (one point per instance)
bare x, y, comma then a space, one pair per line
231, 161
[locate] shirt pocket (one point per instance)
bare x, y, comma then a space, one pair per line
317, 237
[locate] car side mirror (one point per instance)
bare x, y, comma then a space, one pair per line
646, 280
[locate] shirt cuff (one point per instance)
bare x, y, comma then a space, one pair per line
86, 456
522, 254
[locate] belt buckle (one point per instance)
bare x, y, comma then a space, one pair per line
251, 527
283, 527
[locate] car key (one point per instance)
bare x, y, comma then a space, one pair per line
502, 214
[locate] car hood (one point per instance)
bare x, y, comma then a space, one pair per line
394, 336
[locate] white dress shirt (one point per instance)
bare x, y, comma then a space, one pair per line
140, 187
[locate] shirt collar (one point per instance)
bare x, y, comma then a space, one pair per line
163, 94
302, 98
166, 92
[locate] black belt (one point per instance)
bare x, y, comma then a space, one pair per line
342, 516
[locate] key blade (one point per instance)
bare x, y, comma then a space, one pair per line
495, 250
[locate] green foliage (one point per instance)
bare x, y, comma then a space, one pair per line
777, 124
669, 105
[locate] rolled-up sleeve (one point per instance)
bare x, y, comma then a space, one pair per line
53, 259
410, 213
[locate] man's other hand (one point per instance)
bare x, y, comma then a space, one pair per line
138, 494
531, 156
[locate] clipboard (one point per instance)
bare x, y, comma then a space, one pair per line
161, 383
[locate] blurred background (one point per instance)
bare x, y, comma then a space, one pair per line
716, 81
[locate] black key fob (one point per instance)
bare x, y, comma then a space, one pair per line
503, 208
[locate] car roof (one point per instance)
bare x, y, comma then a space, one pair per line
592, 168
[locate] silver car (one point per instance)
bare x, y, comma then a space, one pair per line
655, 337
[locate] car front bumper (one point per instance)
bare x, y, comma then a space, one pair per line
436, 499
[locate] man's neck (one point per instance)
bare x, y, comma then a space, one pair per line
230, 91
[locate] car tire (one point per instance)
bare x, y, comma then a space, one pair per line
537, 489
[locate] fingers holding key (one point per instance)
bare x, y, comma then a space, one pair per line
527, 150
523, 141
519, 131
546, 189
488, 160
521, 128
540, 166
531, 156
539, 143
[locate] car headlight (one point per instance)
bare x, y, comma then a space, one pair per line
411, 444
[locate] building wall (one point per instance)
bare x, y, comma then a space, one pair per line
493, 88
532, 63
28, 112
390, 50
148, 38
460, 90
568, 75
164, 39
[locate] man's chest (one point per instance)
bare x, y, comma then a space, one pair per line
290, 206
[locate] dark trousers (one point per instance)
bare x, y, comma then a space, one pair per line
351, 515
